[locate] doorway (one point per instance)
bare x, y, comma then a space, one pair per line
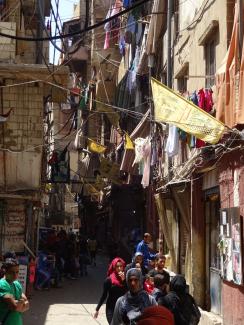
212, 253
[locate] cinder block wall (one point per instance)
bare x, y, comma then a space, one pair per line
7, 45
24, 128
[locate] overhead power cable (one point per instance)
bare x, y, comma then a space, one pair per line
89, 28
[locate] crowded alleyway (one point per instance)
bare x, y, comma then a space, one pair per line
73, 304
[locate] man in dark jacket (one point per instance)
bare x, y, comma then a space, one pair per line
181, 304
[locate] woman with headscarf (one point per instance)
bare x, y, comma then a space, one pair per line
129, 307
114, 287
156, 315
137, 262
181, 303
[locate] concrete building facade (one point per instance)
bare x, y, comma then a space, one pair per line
24, 93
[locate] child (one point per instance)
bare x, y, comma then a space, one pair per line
148, 284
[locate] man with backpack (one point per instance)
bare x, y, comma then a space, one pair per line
181, 303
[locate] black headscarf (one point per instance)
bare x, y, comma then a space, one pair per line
178, 284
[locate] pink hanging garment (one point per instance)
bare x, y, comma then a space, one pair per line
208, 100
201, 104
112, 27
107, 41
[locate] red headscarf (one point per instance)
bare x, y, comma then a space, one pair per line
156, 315
115, 279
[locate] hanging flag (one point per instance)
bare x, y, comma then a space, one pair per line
129, 145
111, 114
4, 117
110, 170
95, 147
175, 109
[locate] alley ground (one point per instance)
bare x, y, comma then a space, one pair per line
73, 304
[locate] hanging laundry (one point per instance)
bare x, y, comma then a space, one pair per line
4, 117
205, 102
127, 3
172, 145
112, 27
139, 143
60, 170
122, 44
134, 67
194, 98
154, 154
208, 100
146, 151
95, 147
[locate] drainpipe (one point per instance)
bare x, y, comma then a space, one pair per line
39, 32
169, 30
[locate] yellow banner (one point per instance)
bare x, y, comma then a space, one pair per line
129, 145
110, 170
112, 115
175, 109
95, 147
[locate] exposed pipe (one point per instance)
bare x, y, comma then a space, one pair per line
169, 31
169, 67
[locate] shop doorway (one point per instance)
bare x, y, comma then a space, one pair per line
212, 253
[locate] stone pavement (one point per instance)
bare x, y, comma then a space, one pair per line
73, 304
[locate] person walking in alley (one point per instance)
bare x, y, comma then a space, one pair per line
83, 255
161, 283
181, 304
137, 259
12, 300
130, 306
92, 246
159, 267
143, 248
114, 287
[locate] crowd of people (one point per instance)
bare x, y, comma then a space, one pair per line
142, 292
64, 254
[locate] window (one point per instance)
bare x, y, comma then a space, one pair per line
182, 84
210, 59
182, 76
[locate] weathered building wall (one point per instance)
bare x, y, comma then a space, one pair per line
187, 49
23, 134
232, 195
14, 226
197, 269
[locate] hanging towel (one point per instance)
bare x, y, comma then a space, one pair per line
146, 151
172, 145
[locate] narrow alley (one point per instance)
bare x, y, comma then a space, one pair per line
122, 135
73, 304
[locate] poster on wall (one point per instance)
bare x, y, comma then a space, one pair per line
14, 226
230, 245
23, 276
236, 249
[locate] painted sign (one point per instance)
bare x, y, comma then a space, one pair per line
14, 226
23, 276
